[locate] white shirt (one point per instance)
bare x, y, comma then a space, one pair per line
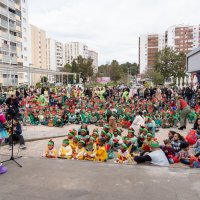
138, 121
158, 158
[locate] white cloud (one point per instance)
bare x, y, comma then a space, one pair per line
111, 27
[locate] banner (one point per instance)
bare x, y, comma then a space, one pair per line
103, 80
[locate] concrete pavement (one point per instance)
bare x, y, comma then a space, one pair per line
46, 179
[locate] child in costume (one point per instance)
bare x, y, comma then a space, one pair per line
117, 139
192, 116
79, 151
109, 145
101, 154
90, 152
74, 143
146, 144
123, 155
65, 150
50, 152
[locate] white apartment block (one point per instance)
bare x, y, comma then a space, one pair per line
75, 49
149, 46
181, 38
13, 34
55, 54
94, 56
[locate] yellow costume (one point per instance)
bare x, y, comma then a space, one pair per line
90, 155
74, 146
79, 153
65, 152
101, 154
123, 157
51, 153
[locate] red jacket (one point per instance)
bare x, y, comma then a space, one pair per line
183, 104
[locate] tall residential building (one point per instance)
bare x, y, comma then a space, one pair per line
75, 49
13, 27
55, 56
38, 51
94, 56
181, 38
149, 46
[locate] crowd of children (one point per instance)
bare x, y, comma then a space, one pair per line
104, 144
75, 107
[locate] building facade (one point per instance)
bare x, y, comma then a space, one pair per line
149, 46
55, 56
94, 56
13, 34
75, 49
181, 38
38, 51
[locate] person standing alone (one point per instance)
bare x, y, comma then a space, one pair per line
185, 110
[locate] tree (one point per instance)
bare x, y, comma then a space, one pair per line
169, 63
66, 68
44, 79
156, 77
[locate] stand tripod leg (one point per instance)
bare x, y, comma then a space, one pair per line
17, 163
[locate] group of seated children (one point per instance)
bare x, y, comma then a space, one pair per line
80, 145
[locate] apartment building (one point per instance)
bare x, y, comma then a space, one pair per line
75, 49
38, 51
94, 56
149, 46
13, 26
55, 56
181, 38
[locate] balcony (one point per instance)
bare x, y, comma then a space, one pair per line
3, 24
6, 59
4, 11
12, 26
12, 16
4, 47
4, 2
14, 60
11, 4
4, 35
13, 38
13, 49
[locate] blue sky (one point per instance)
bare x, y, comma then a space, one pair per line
111, 27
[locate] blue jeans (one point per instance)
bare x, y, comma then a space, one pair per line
185, 161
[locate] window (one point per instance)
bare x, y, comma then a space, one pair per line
24, 20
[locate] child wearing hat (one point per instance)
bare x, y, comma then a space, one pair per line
65, 150
123, 155
101, 154
90, 152
117, 140
74, 143
70, 136
51, 151
146, 144
156, 157
79, 151
109, 145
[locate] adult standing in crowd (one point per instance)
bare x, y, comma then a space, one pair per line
185, 110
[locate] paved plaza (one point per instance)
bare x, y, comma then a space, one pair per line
41, 178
